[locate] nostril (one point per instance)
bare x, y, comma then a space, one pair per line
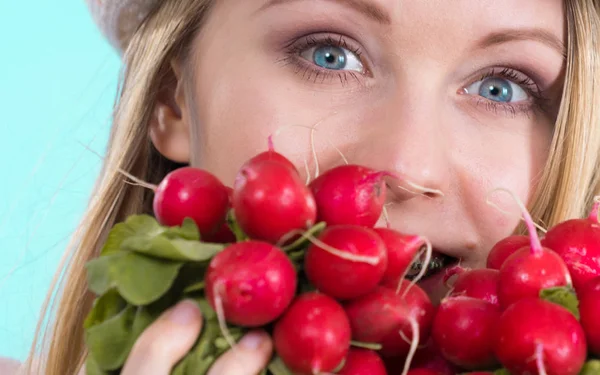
430, 195
404, 189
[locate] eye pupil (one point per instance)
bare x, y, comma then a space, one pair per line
330, 57
496, 89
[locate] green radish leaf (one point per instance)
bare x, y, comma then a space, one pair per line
502, 371
204, 354
98, 273
303, 241
277, 367
134, 225
563, 296
105, 307
196, 287
208, 312
591, 367
187, 231
176, 249
110, 341
143, 318
142, 280
366, 345
239, 234
221, 343
92, 368
117, 235
144, 224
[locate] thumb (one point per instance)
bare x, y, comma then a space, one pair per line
249, 357
166, 341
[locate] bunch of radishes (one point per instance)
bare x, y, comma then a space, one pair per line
358, 314
534, 310
357, 304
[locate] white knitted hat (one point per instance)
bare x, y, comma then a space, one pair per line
118, 19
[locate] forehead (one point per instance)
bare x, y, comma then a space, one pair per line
473, 15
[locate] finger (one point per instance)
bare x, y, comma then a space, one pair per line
249, 357
166, 341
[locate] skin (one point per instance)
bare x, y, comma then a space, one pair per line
415, 110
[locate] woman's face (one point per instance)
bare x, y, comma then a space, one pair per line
457, 96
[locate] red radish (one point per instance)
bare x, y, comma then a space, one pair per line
389, 318
527, 272
223, 234
505, 248
346, 261
270, 155
577, 241
429, 357
254, 282
270, 201
589, 308
479, 283
465, 330
313, 335
194, 193
401, 251
537, 335
349, 194
423, 371
363, 362
531, 269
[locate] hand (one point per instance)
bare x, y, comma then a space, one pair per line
163, 344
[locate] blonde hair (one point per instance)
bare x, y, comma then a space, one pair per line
565, 188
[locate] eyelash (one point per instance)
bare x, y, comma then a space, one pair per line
536, 97
314, 73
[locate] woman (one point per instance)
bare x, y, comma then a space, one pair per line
460, 97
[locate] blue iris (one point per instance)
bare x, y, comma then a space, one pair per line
496, 89
330, 57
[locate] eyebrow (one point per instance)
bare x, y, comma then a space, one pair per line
539, 35
365, 7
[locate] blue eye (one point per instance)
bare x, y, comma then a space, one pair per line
330, 57
333, 58
498, 90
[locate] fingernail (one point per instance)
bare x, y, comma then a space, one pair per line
184, 313
253, 340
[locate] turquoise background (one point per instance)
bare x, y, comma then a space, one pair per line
58, 79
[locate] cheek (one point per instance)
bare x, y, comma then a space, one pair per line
236, 123
502, 159
249, 104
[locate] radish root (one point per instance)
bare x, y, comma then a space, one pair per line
386, 216
221, 316
137, 181
595, 210
408, 341
424, 190
414, 326
307, 171
536, 245
453, 271
490, 203
313, 150
340, 253
539, 359
330, 249
423, 271
418, 189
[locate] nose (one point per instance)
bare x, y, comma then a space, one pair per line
407, 140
